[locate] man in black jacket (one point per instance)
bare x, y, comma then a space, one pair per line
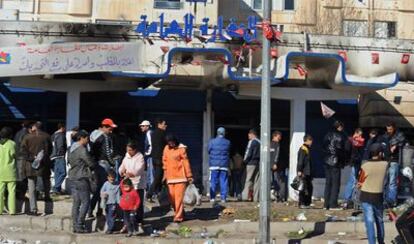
278, 167
394, 141
58, 157
251, 160
334, 145
21, 186
102, 151
158, 144
304, 170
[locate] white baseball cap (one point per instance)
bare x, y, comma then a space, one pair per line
145, 123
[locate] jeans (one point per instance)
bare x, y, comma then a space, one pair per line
101, 174
150, 171
11, 197
157, 183
350, 185
392, 189
31, 184
59, 169
333, 181
219, 177
129, 221
110, 216
81, 201
279, 184
236, 178
373, 214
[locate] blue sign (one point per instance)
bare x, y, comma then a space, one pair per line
219, 32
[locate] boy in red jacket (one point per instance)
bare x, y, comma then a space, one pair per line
129, 204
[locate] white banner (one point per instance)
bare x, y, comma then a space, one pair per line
64, 58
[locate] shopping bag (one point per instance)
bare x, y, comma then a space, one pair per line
191, 196
298, 184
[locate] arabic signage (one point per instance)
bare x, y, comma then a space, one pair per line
66, 58
219, 32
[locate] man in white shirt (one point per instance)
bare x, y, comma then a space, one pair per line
145, 128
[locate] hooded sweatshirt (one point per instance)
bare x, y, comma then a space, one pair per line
102, 147
136, 166
7, 160
176, 164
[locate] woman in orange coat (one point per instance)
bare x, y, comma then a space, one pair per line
177, 173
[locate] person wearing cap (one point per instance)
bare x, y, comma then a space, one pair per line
219, 160
371, 183
102, 151
158, 144
145, 128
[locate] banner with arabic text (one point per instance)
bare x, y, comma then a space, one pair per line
65, 58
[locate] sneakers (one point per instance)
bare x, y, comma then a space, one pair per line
304, 207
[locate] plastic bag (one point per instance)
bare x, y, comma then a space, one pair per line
163, 198
38, 159
191, 196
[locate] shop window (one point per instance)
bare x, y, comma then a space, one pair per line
355, 28
385, 29
167, 4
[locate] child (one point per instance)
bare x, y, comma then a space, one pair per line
110, 199
133, 167
129, 203
304, 169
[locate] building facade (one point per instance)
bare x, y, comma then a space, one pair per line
208, 54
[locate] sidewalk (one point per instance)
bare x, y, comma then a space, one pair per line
205, 223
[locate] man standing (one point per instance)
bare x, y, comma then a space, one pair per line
278, 168
219, 160
145, 128
304, 170
394, 141
58, 157
371, 183
334, 145
251, 160
36, 148
102, 150
158, 145
21, 185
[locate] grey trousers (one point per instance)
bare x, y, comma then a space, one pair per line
251, 183
31, 183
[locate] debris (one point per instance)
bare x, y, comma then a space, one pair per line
242, 220
228, 211
158, 233
286, 219
300, 234
341, 233
301, 217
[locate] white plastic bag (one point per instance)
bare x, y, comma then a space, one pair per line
191, 196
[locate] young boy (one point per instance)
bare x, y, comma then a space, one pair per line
110, 195
304, 170
129, 203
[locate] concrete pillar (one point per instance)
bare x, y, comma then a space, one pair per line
72, 109
297, 132
207, 134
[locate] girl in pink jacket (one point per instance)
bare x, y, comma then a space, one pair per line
133, 167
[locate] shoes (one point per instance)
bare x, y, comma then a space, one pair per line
212, 200
304, 207
128, 235
108, 232
33, 213
90, 217
223, 201
124, 229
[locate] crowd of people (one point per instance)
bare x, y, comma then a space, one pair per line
102, 179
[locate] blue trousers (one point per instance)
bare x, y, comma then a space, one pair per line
219, 177
350, 185
392, 186
59, 169
373, 214
150, 171
110, 216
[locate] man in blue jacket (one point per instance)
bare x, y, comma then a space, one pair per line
219, 153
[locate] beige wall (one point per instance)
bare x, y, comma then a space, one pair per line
313, 16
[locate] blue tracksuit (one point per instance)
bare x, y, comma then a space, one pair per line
219, 159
